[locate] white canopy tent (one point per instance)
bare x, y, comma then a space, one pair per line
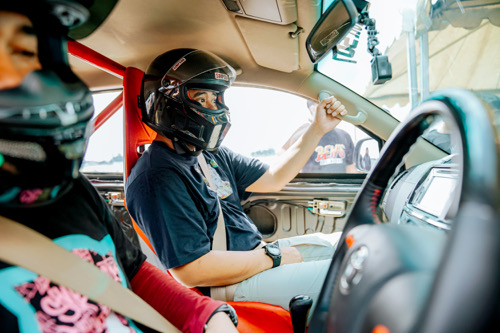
454, 51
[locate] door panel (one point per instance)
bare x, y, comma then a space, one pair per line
302, 208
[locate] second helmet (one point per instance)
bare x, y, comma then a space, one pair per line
170, 111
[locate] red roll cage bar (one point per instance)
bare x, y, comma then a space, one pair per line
112, 67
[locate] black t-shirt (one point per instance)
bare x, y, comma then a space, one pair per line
169, 199
81, 222
332, 154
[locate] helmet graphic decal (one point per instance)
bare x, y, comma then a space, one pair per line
221, 76
180, 62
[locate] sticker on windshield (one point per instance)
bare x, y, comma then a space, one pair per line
346, 50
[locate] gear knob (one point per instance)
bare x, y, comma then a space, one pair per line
299, 309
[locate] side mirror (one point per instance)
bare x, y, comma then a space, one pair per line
331, 28
366, 153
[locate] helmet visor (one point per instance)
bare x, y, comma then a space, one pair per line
196, 63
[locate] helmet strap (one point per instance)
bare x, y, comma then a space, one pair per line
53, 50
182, 148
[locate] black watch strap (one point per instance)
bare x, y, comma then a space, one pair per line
274, 252
227, 309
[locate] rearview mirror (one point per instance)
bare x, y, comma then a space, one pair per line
331, 28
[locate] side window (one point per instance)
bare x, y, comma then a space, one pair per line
267, 122
105, 148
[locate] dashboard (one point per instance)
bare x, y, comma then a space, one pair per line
424, 195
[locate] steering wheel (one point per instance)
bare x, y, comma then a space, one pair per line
388, 277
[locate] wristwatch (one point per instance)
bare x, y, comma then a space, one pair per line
229, 310
274, 252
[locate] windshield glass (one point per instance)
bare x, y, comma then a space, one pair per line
431, 44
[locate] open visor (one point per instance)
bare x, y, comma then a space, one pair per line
194, 64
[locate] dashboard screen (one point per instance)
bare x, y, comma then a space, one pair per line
437, 194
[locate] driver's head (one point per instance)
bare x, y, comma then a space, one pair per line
184, 99
44, 108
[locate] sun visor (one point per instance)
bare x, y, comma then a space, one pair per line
278, 41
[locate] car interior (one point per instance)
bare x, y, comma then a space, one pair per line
420, 245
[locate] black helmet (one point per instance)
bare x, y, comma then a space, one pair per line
45, 121
168, 108
78, 18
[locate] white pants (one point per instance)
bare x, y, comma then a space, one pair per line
278, 285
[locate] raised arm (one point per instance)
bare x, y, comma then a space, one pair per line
294, 158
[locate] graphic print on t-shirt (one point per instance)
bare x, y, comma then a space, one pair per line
223, 187
330, 154
44, 306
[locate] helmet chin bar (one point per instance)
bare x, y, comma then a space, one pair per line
44, 129
28, 183
214, 138
191, 128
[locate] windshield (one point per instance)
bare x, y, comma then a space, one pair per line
430, 44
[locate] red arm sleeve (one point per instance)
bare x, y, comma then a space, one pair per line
184, 308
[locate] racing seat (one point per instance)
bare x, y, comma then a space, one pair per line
253, 317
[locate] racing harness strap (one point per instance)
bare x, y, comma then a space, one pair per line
223, 293
219, 241
24, 247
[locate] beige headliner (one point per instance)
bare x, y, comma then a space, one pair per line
263, 53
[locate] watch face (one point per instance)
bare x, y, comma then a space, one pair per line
274, 250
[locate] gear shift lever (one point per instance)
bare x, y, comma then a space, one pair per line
299, 309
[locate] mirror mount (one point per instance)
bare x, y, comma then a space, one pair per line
381, 67
333, 27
